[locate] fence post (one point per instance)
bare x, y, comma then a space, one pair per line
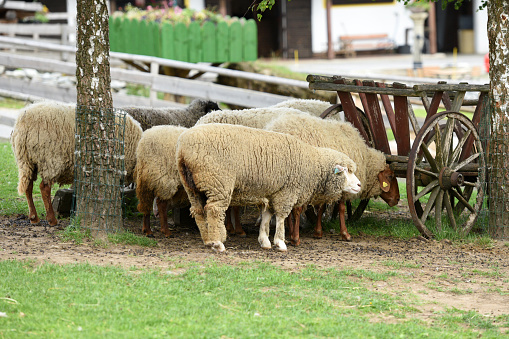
167, 41
223, 46
209, 41
195, 42
235, 42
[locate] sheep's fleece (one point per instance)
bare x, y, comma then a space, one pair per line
343, 137
223, 164
43, 143
185, 117
253, 117
156, 173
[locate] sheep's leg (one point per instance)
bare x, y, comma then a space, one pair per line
162, 206
215, 214
32, 212
318, 227
198, 213
238, 227
295, 236
46, 198
279, 236
342, 223
290, 224
145, 203
263, 237
229, 224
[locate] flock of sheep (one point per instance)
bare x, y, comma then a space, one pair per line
282, 158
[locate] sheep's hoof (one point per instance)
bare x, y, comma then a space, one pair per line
318, 235
295, 242
241, 234
218, 247
53, 222
265, 243
346, 237
280, 246
34, 219
151, 235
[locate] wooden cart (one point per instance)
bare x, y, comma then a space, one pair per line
445, 163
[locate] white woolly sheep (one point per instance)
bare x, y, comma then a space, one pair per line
373, 172
43, 143
222, 165
253, 117
156, 176
186, 117
311, 106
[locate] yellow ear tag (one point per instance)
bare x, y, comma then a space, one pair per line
385, 184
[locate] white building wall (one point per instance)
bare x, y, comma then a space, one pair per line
480, 29
391, 19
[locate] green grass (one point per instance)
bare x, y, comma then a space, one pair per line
215, 301
10, 201
11, 103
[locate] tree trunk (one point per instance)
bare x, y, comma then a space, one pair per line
498, 156
98, 164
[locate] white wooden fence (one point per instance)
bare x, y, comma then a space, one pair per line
156, 82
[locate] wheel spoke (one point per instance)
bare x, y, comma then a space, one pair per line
471, 184
429, 205
447, 140
464, 201
450, 212
438, 144
426, 190
422, 170
429, 157
438, 211
459, 148
466, 161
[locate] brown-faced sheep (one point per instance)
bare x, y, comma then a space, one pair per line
43, 140
222, 165
373, 172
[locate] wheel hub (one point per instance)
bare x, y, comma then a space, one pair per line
449, 178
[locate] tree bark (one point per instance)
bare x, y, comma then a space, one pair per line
98, 164
498, 156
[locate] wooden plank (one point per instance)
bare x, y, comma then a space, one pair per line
208, 34
250, 41
155, 31
388, 107
167, 38
236, 42
452, 87
31, 29
223, 46
147, 43
351, 113
181, 39
374, 113
363, 89
195, 42
161, 61
216, 92
402, 132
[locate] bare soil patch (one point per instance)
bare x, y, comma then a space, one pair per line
442, 274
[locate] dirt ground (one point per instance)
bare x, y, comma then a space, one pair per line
441, 273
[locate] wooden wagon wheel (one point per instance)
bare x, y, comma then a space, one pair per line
437, 179
359, 210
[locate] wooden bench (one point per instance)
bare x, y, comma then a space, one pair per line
349, 44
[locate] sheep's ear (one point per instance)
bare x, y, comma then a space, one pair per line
339, 169
385, 178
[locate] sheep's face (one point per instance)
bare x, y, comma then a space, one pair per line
352, 183
389, 186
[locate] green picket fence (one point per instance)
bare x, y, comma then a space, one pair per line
193, 43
